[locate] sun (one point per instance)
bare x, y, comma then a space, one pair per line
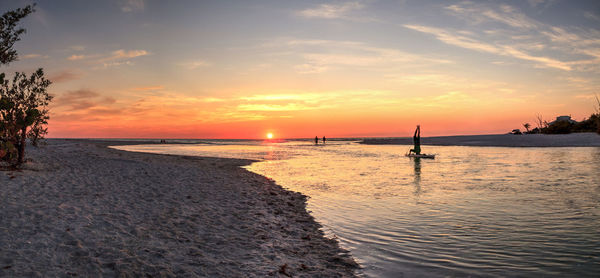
270, 135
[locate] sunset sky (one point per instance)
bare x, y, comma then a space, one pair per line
241, 69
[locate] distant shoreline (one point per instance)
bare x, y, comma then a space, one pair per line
587, 139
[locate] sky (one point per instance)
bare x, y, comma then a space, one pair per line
299, 69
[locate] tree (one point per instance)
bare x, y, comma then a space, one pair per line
10, 34
526, 126
597, 115
24, 101
558, 127
541, 124
23, 104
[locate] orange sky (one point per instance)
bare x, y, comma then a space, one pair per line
198, 69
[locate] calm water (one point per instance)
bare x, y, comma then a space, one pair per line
473, 211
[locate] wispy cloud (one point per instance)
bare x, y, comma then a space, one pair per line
344, 10
64, 76
277, 107
319, 56
115, 58
192, 65
477, 13
545, 45
591, 15
545, 61
456, 39
82, 99
150, 88
76, 57
125, 54
128, 6
77, 47
34, 56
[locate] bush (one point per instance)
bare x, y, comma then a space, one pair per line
560, 127
587, 125
8, 152
23, 108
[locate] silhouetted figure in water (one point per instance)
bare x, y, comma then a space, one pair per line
316, 140
417, 140
324, 140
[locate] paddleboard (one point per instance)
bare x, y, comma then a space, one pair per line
423, 155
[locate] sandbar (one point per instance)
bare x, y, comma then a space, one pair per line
499, 140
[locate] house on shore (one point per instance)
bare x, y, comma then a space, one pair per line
563, 119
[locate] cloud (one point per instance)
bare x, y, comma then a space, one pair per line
151, 88
454, 39
33, 56
213, 99
334, 11
76, 57
116, 64
82, 99
534, 3
115, 58
195, 64
283, 97
126, 54
590, 96
309, 68
477, 13
591, 15
561, 47
77, 47
64, 76
469, 43
317, 56
276, 107
128, 6
545, 61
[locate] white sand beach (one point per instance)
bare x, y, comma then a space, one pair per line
500, 140
81, 209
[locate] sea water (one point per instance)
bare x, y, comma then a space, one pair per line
471, 211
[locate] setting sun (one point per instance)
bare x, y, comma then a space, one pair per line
270, 135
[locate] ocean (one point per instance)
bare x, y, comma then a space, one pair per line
471, 211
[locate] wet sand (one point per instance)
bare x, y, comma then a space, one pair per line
500, 140
82, 209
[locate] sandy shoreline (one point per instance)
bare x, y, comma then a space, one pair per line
81, 209
499, 140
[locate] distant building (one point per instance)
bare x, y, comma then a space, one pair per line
563, 119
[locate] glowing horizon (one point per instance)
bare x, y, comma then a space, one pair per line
198, 69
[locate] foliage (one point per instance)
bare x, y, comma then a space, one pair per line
591, 124
597, 115
526, 126
558, 127
587, 125
10, 34
540, 122
8, 152
23, 105
24, 101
